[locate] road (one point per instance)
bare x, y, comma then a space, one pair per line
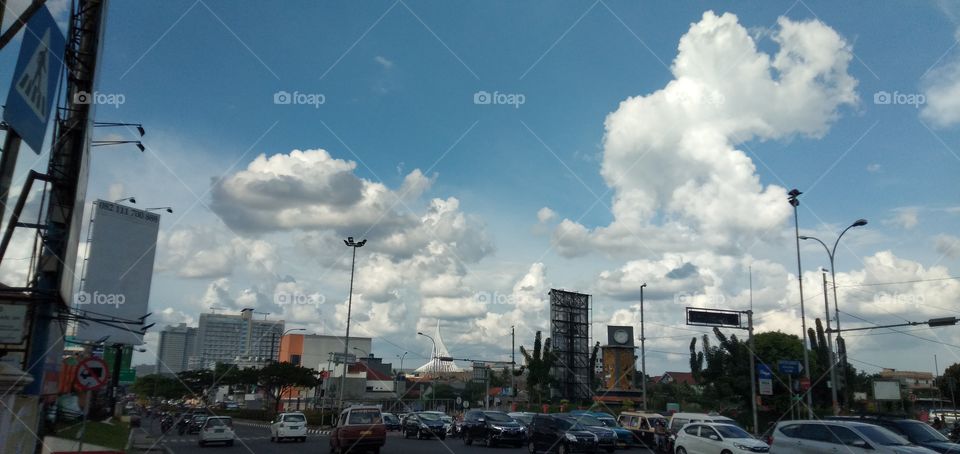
254, 439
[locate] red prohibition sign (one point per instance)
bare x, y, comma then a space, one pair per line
92, 373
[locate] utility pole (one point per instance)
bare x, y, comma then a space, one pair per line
753, 372
833, 362
513, 361
643, 351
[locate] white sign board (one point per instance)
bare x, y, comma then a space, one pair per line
886, 390
118, 272
766, 386
13, 322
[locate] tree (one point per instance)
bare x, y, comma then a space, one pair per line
279, 377
160, 386
594, 379
196, 382
538, 364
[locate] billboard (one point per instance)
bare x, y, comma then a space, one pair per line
713, 317
886, 390
118, 272
570, 343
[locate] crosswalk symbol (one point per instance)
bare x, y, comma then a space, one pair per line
33, 82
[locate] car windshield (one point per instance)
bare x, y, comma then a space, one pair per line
526, 419
389, 417
727, 431
364, 417
882, 436
588, 420
497, 417
294, 418
429, 417
919, 432
216, 422
569, 424
609, 422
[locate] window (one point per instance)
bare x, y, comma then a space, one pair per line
707, 431
365, 417
691, 430
677, 423
846, 436
294, 418
817, 432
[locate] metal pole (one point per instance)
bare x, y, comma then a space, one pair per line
833, 369
643, 351
8, 162
803, 317
346, 340
936, 379
115, 379
753, 378
513, 360
486, 395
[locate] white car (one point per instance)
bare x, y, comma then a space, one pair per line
289, 425
217, 429
697, 438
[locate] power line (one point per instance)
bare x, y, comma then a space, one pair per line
914, 281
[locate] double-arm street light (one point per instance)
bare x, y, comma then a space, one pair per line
831, 253
346, 340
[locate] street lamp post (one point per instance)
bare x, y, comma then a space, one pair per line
433, 361
643, 350
396, 378
831, 253
803, 318
346, 340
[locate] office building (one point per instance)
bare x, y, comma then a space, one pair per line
177, 344
225, 337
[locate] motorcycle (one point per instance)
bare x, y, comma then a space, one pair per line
166, 424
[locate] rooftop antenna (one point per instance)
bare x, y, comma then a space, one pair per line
264, 314
214, 309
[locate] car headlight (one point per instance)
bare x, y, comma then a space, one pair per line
424, 426
743, 447
570, 437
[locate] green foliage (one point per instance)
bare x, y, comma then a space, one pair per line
159, 386
538, 364
278, 377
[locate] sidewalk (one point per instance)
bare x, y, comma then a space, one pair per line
141, 441
54, 445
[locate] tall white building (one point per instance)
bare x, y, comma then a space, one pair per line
225, 337
177, 344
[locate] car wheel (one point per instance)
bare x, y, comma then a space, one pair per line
202, 444
725, 452
419, 434
680, 450
406, 434
563, 449
490, 443
230, 443
443, 436
467, 440
531, 448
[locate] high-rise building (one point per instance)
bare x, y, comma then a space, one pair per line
224, 338
177, 344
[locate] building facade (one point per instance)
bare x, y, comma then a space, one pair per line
909, 380
225, 337
177, 345
316, 351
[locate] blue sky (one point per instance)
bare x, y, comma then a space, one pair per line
398, 80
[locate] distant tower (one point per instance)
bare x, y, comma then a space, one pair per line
435, 365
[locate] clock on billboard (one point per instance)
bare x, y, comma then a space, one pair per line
620, 336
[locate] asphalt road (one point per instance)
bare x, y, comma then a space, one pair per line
253, 439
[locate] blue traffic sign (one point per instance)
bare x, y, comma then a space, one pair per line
763, 371
35, 79
789, 367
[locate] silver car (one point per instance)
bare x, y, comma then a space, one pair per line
848, 437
